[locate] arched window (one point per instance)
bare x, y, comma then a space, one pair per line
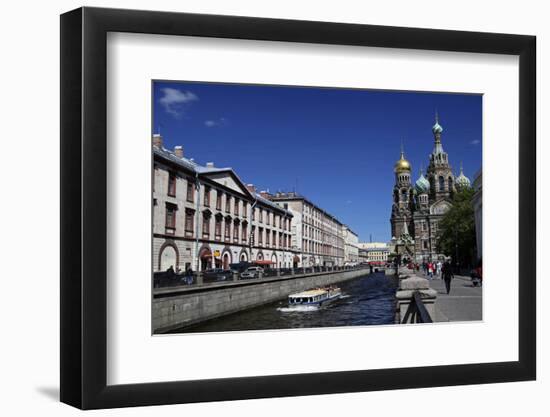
441, 184
168, 258
450, 181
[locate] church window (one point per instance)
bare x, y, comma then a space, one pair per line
441, 184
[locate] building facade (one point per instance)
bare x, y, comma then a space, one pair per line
375, 252
417, 209
317, 236
206, 217
351, 246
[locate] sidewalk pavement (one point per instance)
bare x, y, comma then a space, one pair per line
464, 303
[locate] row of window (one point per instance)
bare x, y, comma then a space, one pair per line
270, 237
318, 219
322, 249
230, 201
425, 226
377, 257
316, 234
441, 184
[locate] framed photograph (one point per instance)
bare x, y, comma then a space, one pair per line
260, 208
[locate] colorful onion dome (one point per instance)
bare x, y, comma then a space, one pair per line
422, 185
462, 180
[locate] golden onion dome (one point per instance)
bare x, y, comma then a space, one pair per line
402, 165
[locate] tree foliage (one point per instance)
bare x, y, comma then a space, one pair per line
456, 230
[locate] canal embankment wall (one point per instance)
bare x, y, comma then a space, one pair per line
177, 308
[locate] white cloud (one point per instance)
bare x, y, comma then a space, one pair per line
475, 142
175, 101
217, 122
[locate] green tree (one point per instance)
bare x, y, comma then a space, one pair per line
456, 230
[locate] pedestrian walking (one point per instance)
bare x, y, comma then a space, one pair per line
430, 270
189, 276
438, 269
448, 275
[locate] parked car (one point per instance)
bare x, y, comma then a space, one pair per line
252, 272
240, 267
217, 274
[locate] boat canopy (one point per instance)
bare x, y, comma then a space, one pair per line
309, 293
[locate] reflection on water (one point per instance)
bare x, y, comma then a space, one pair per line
367, 300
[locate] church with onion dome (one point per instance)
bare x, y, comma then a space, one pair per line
417, 208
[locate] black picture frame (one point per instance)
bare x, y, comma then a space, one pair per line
84, 207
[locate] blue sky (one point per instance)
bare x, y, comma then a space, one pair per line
335, 146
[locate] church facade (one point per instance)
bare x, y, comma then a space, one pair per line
417, 208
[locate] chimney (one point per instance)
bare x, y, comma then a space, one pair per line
178, 151
251, 188
265, 195
210, 165
157, 140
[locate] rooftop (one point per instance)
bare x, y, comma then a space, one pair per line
194, 167
294, 196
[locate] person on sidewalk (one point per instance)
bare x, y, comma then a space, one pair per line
448, 275
430, 270
438, 269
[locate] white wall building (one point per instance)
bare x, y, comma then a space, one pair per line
374, 251
205, 217
317, 236
351, 246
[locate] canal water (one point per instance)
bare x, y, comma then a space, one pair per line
367, 300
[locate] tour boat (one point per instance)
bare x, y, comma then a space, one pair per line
314, 297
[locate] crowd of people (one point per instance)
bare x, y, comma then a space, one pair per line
444, 270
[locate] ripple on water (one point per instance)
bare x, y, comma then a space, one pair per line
367, 300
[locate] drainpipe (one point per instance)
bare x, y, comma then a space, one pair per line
251, 226
284, 238
197, 217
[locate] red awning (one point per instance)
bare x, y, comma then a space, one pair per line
263, 262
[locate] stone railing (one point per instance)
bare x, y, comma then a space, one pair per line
166, 279
415, 300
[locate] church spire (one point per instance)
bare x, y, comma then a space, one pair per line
405, 231
437, 129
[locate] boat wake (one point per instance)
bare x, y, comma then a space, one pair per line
298, 309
